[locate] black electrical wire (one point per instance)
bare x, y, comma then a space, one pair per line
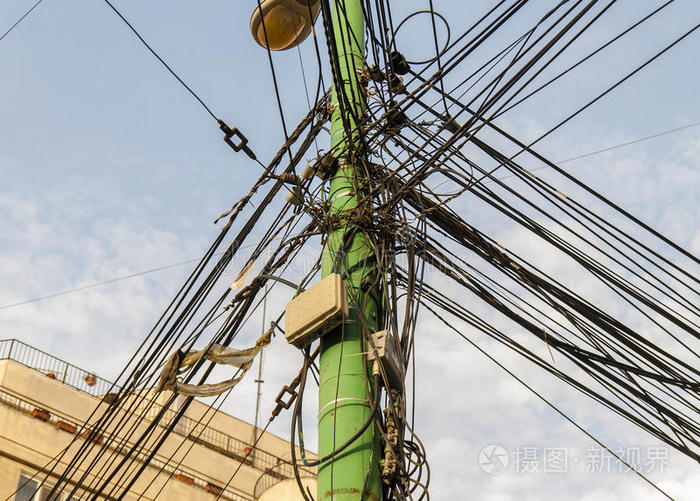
155, 54
227, 256
20, 19
646, 383
297, 422
552, 406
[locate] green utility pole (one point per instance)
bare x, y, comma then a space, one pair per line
344, 404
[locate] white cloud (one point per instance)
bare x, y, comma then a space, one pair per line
45, 252
463, 401
65, 235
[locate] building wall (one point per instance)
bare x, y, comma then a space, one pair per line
287, 490
27, 443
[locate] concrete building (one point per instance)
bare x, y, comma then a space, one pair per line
44, 401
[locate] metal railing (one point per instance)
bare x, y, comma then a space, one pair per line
73, 427
228, 445
274, 467
75, 377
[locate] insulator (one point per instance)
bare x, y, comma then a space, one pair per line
289, 178
399, 63
395, 116
396, 84
326, 166
451, 124
308, 172
295, 196
375, 73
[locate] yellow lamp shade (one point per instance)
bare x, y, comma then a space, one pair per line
285, 22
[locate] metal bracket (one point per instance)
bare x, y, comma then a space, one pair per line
242, 143
279, 400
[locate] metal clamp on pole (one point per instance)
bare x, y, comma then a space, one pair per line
242, 140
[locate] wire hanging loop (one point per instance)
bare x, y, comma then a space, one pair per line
447, 29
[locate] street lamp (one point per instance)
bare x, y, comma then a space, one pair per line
285, 22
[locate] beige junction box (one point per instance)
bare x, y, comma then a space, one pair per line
384, 351
316, 311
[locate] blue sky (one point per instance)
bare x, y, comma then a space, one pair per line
108, 167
